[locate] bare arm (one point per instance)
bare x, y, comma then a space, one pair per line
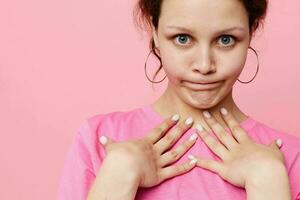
114, 182
273, 184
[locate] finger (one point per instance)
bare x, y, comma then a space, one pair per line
219, 131
276, 144
173, 155
160, 130
214, 145
106, 142
175, 170
210, 165
238, 132
170, 138
279, 143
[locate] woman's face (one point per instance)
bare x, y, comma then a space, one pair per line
210, 46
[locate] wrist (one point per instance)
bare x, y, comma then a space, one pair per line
113, 182
272, 184
121, 165
266, 175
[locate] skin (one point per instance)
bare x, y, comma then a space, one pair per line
201, 53
258, 168
146, 161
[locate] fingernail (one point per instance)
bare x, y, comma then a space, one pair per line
193, 161
103, 140
175, 117
188, 121
224, 111
279, 142
206, 114
199, 127
193, 137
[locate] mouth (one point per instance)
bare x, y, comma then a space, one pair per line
202, 86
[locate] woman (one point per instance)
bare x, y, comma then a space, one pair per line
150, 153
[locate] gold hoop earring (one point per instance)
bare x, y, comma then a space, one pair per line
146, 68
257, 68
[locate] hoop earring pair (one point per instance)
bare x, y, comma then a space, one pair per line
244, 82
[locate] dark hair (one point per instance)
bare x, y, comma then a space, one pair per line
147, 12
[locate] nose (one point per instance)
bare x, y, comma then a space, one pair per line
204, 62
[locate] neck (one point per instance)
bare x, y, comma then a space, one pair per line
163, 108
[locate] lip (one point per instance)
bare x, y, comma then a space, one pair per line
202, 86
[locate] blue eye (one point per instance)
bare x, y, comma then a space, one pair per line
181, 38
226, 40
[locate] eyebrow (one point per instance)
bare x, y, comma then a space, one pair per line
221, 31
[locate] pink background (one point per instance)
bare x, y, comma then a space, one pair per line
64, 61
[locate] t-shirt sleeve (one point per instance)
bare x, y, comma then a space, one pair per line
294, 176
78, 172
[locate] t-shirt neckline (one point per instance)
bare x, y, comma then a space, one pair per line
247, 124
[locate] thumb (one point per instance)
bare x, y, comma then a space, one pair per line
276, 143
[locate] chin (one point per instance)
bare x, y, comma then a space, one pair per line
204, 106
202, 101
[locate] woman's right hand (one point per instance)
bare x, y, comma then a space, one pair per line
149, 157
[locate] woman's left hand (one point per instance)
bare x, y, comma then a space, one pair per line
242, 157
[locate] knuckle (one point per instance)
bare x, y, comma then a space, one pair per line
169, 139
222, 135
173, 154
179, 129
204, 135
186, 145
170, 123
201, 162
213, 122
182, 168
230, 121
147, 139
207, 163
160, 129
235, 128
214, 145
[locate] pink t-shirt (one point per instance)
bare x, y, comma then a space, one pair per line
85, 156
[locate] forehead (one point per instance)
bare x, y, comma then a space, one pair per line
203, 13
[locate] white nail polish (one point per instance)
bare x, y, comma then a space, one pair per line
224, 111
193, 161
193, 137
199, 127
103, 140
188, 121
191, 157
279, 142
175, 118
206, 114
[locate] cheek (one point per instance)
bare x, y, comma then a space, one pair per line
232, 66
173, 64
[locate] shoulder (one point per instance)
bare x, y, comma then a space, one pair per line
114, 124
265, 134
113, 116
